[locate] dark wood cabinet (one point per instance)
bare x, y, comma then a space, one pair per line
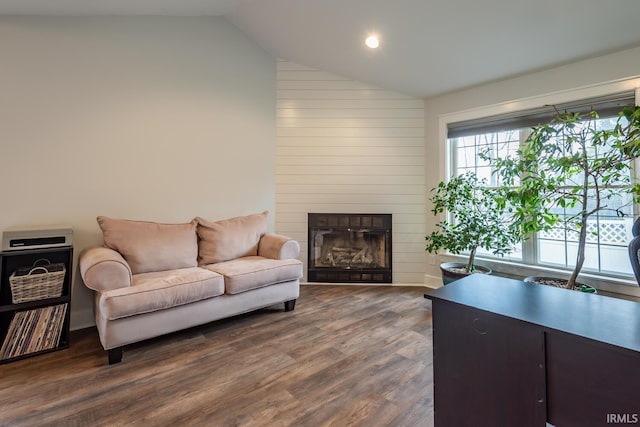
511, 353
591, 383
482, 361
40, 325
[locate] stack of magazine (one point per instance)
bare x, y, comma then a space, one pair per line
35, 330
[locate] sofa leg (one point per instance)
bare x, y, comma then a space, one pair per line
115, 355
289, 305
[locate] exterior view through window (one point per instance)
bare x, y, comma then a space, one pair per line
609, 235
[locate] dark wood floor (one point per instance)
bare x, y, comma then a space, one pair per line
347, 356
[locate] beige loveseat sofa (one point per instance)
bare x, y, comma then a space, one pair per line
151, 279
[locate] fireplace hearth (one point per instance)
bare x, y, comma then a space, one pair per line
349, 248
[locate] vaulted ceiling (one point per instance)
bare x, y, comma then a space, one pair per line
427, 47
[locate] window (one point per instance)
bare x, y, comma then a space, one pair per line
500, 136
465, 156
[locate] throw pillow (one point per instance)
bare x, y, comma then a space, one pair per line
150, 246
230, 238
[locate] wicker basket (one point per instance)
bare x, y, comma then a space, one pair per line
37, 282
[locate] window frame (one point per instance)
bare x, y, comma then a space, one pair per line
526, 267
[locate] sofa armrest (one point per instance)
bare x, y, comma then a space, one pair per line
103, 269
276, 246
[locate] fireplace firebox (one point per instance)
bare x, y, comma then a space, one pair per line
349, 248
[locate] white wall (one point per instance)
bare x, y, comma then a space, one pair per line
593, 71
150, 118
348, 147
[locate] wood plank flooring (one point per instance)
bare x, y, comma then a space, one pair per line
347, 356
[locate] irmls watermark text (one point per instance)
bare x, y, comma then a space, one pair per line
622, 419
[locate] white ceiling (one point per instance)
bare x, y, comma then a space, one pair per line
427, 47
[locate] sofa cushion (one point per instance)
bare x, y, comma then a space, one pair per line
160, 290
150, 246
230, 238
244, 274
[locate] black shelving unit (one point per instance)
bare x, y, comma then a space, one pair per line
10, 261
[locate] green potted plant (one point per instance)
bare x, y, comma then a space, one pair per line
477, 219
571, 164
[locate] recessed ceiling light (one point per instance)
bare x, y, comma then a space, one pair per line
372, 42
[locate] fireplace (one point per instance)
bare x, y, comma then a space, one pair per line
349, 248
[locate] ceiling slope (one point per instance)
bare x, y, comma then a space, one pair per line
428, 47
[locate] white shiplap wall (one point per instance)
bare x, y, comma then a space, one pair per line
349, 147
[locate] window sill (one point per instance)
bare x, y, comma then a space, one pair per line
610, 286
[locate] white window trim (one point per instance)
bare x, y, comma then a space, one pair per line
613, 285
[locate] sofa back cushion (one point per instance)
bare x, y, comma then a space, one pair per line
230, 238
150, 246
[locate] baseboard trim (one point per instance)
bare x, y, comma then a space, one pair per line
432, 282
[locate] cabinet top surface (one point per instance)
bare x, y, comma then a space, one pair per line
610, 320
